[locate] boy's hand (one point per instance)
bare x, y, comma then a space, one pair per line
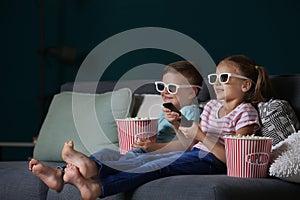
173, 117
143, 144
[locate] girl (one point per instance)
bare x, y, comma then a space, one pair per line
239, 85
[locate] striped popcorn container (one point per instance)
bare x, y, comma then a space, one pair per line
247, 156
133, 129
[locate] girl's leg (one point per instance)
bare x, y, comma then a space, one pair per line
195, 162
86, 166
188, 163
89, 188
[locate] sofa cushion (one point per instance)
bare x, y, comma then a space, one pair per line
202, 187
221, 187
278, 119
17, 182
87, 119
147, 105
71, 192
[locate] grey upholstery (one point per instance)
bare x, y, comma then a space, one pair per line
17, 182
216, 187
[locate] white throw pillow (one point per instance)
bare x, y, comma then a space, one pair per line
285, 159
148, 105
87, 119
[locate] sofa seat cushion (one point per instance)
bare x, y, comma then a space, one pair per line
203, 187
17, 182
71, 192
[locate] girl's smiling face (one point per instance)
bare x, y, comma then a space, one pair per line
234, 88
183, 96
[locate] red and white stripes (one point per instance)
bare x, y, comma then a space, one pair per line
247, 157
129, 130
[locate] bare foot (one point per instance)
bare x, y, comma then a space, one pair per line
89, 188
87, 167
52, 177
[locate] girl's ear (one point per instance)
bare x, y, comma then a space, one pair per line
246, 85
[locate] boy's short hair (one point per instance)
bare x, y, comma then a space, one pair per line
187, 69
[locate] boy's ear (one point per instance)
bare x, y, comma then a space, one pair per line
246, 85
194, 93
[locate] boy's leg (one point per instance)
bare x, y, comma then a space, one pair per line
106, 161
111, 162
52, 177
86, 166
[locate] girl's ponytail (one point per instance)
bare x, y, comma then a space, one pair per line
262, 91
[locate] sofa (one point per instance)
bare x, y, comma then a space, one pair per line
17, 182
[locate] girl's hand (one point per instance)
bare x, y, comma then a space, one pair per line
190, 132
172, 117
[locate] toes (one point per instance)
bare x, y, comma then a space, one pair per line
32, 163
69, 143
70, 165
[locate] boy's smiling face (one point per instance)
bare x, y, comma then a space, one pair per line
183, 96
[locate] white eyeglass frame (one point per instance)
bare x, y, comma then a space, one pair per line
224, 82
173, 84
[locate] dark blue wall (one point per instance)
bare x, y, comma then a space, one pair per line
266, 30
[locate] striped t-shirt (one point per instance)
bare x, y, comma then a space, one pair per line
216, 128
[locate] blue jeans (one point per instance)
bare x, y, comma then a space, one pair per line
124, 173
109, 157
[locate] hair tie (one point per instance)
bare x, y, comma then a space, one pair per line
256, 67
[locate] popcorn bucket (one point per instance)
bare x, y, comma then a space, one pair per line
247, 156
133, 129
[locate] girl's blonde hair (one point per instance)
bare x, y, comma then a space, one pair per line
261, 89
